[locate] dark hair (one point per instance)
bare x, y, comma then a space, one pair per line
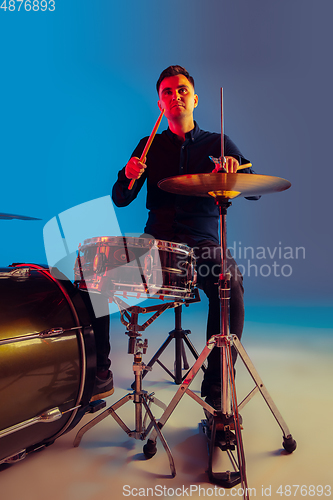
173, 71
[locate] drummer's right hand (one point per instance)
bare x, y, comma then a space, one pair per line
135, 168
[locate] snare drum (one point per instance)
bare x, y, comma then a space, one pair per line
48, 359
136, 266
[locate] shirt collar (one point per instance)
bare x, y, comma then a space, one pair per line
191, 136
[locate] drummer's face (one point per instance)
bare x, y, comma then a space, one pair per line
177, 97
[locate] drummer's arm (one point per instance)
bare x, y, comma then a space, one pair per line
121, 195
134, 169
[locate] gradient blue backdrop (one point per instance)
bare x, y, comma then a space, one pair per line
78, 91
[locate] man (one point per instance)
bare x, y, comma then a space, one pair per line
185, 149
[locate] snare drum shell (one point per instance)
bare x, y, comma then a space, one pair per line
132, 265
39, 374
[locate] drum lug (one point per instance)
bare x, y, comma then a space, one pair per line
53, 332
14, 458
20, 273
48, 416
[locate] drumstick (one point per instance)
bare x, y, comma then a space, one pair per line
246, 165
148, 144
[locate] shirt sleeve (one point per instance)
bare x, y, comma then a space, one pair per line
121, 195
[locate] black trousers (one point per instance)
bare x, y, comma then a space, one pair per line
208, 268
97, 306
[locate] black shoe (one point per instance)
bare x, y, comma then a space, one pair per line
103, 387
214, 400
214, 397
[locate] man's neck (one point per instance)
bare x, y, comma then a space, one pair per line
180, 128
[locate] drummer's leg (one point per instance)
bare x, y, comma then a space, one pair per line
97, 306
101, 327
208, 267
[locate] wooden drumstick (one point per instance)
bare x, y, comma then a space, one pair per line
246, 165
148, 144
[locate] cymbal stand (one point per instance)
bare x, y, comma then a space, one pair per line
137, 347
227, 417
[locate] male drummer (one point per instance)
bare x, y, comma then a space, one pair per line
185, 149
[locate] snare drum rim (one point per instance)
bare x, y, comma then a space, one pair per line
119, 240
138, 241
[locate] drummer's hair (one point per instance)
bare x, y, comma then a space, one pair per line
174, 71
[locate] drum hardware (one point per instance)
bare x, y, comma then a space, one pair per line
46, 417
17, 273
140, 397
12, 216
138, 347
53, 332
222, 187
53, 363
180, 336
21, 455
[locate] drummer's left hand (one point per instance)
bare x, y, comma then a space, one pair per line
231, 165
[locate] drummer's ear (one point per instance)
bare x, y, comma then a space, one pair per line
160, 107
196, 100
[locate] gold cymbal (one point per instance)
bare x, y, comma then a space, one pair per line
223, 185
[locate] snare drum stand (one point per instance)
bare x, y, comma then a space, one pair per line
227, 418
181, 339
137, 347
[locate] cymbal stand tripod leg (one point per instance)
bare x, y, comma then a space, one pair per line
228, 393
289, 443
229, 407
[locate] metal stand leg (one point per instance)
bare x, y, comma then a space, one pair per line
229, 422
289, 443
181, 339
140, 398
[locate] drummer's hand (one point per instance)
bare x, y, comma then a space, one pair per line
231, 165
135, 168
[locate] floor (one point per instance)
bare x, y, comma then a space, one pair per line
109, 464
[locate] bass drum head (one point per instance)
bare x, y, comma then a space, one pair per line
48, 358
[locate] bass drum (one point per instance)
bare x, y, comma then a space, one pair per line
48, 358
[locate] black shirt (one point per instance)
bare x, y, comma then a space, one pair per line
186, 219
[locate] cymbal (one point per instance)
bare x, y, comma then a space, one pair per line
12, 216
223, 185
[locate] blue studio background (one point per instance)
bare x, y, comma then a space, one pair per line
78, 91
